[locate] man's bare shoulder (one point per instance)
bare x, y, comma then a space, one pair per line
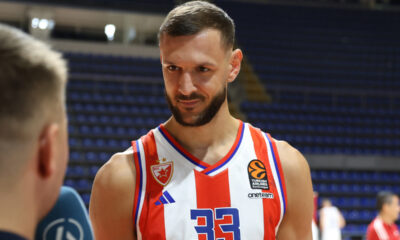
291, 159
118, 172
111, 202
297, 221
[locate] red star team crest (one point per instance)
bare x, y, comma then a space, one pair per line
162, 172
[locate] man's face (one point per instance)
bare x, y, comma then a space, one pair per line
195, 70
326, 203
393, 209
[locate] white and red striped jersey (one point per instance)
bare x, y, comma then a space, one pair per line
178, 196
378, 230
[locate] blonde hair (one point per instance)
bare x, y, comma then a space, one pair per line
32, 88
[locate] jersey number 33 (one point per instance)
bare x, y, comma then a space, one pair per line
218, 223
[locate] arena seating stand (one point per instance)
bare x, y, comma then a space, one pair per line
354, 193
333, 78
332, 74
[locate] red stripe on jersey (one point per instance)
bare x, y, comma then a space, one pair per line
315, 208
213, 192
150, 211
281, 175
271, 207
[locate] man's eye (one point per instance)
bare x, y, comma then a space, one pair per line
204, 69
172, 68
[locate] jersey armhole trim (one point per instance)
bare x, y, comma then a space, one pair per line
278, 169
139, 180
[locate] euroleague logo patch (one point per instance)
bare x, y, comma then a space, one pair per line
258, 175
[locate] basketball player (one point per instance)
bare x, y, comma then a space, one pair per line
33, 132
202, 174
383, 227
331, 221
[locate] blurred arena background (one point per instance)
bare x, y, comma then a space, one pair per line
323, 75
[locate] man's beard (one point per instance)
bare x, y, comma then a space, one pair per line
203, 117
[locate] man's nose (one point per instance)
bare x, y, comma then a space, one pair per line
186, 84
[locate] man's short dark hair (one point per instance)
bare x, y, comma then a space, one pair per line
195, 16
384, 197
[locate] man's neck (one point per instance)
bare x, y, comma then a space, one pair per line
386, 219
220, 133
17, 214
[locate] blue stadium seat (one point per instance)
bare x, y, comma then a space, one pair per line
75, 156
73, 142
83, 185
86, 198
85, 129
93, 170
132, 132
91, 157
88, 142
71, 129
76, 171
101, 143
113, 143
69, 183
104, 156
97, 130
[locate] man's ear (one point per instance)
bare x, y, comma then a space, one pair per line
47, 150
235, 62
385, 207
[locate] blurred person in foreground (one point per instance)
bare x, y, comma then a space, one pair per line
331, 221
383, 227
33, 132
202, 174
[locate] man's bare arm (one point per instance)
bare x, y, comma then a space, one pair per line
296, 223
112, 198
342, 223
